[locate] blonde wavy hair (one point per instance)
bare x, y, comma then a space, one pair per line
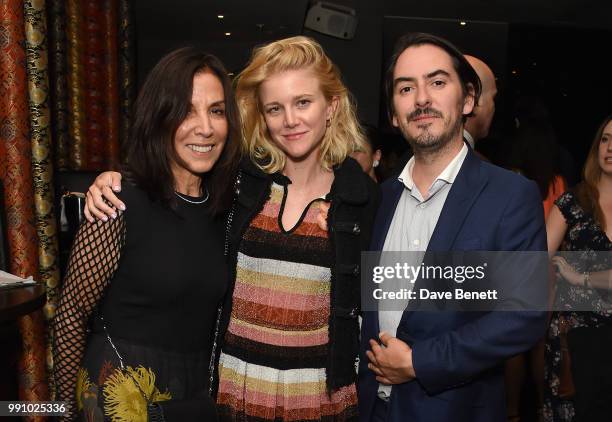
343, 136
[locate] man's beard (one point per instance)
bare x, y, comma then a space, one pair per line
426, 141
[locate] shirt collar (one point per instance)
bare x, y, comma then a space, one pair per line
448, 175
469, 138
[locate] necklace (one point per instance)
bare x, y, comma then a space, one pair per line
193, 202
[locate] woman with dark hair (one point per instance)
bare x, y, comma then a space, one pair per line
370, 157
579, 222
134, 328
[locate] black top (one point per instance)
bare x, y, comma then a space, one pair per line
156, 275
171, 276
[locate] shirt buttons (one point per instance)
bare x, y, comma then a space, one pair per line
422, 206
416, 242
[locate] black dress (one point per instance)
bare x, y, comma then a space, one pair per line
146, 286
583, 236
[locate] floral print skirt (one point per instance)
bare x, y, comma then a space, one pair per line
176, 380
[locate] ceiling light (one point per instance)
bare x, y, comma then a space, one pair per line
227, 34
220, 16
462, 23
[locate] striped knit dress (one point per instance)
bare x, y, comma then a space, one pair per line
272, 366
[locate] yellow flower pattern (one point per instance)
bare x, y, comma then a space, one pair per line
123, 400
83, 384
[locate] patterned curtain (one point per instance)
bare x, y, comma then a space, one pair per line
65, 98
18, 96
92, 61
127, 68
42, 159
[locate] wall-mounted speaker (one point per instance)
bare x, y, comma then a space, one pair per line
332, 19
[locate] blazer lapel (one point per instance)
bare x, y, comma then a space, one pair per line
466, 188
463, 194
392, 191
391, 195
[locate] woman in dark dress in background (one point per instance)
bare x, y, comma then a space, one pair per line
134, 328
579, 222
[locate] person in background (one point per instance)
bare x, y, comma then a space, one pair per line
536, 156
138, 308
530, 111
370, 158
579, 222
477, 125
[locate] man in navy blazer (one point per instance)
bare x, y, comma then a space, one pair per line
444, 366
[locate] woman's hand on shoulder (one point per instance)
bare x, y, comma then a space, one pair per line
104, 187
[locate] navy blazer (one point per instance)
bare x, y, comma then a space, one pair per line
458, 356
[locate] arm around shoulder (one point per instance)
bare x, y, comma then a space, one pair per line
102, 201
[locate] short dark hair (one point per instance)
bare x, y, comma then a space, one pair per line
467, 74
162, 104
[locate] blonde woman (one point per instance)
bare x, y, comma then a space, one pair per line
292, 335
302, 214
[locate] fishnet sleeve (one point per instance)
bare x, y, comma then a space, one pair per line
93, 261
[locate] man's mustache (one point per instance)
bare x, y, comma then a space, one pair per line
424, 111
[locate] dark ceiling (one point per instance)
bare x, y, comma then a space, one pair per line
558, 35
245, 18
162, 25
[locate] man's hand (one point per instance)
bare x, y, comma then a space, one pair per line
392, 363
95, 207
